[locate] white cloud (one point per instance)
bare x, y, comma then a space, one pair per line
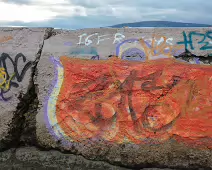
38, 10
45, 10
24, 13
96, 13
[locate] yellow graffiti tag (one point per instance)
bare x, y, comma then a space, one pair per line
4, 83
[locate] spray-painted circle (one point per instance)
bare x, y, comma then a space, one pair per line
133, 54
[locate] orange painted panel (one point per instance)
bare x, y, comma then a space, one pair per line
123, 101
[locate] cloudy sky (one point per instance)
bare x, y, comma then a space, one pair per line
76, 14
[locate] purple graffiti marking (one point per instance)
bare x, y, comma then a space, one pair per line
54, 82
134, 53
96, 57
137, 52
197, 60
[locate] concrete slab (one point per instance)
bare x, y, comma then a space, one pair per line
56, 73
57, 160
86, 43
19, 49
196, 40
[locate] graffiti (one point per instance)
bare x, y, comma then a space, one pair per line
188, 40
145, 48
168, 40
84, 51
133, 54
95, 57
141, 49
130, 102
197, 60
118, 37
6, 78
129, 48
5, 39
160, 48
5, 84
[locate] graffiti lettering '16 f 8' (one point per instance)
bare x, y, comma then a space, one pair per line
131, 102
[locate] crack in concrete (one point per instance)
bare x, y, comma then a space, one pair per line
13, 140
22, 134
33, 104
188, 56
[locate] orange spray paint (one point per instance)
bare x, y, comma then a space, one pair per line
121, 101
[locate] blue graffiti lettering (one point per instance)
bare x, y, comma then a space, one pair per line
188, 40
88, 51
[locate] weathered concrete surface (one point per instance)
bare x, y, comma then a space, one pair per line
31, 158
66, 42
170, 154
23, 119
20, 48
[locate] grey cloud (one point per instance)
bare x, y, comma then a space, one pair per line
110, 12
188, 10
94, 3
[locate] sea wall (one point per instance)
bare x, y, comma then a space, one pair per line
106, 98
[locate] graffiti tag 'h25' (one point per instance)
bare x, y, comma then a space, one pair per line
188, 40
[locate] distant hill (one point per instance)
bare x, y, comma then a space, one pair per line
159, 24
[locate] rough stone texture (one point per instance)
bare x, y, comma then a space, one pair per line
22, 121
177, 35
170, 154
65, 42
32, 158
52, 159
15, 41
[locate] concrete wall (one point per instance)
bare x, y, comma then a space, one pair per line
106, 98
